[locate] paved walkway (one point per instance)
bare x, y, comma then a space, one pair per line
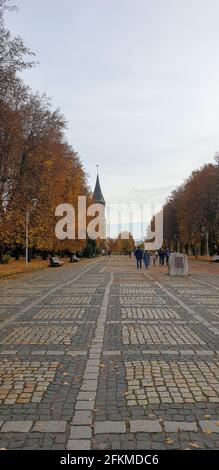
102, 356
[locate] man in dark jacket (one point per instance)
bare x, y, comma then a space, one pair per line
139, 256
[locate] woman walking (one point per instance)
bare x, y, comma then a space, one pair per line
146, 259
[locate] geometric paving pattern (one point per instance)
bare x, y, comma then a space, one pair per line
41, 335
21, 291
162, 335
25, 382
79, 290
171, 382
197, 291
129, 291
60, 313
141, 300
137, 380
12, 300
149, 313
70, 300
205, 301
136, 285
214, 311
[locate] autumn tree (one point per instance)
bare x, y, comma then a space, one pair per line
36, 162
124, 243
192, 211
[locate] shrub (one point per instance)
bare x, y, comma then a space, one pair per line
6, 258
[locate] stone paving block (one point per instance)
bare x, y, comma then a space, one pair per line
92, 363
86, 396
169, 352
204, 352
149, 425
1, 423
55, 352
82, 417
79, 444
92, 370
187, 352
84, 405
209, 425
89, 376
109, 427
175, 426
89, 385
80, 432
8, 353
50, 426
38, 353
77, 353
112, 353
151, 351
17, 426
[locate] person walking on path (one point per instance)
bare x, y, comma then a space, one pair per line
138, 255
130, 254
154, 257
161, 255
167, 255
146, 259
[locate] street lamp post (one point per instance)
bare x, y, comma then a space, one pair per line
27, 238
33, 201
207, 244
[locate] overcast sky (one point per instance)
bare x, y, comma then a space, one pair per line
137, 82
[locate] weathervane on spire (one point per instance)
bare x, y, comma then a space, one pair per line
97, 168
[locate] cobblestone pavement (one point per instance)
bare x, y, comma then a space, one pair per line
101, 355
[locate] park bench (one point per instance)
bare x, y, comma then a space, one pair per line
55, 262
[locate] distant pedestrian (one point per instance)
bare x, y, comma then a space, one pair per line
139, 256
130, 254
146, 259
161, 255
167, 255
154, 258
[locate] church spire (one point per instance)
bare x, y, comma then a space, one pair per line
97, 194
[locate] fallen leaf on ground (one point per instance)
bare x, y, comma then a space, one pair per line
170, 441
194, 445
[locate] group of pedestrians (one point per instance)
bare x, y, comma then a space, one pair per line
160, 257
142, 255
